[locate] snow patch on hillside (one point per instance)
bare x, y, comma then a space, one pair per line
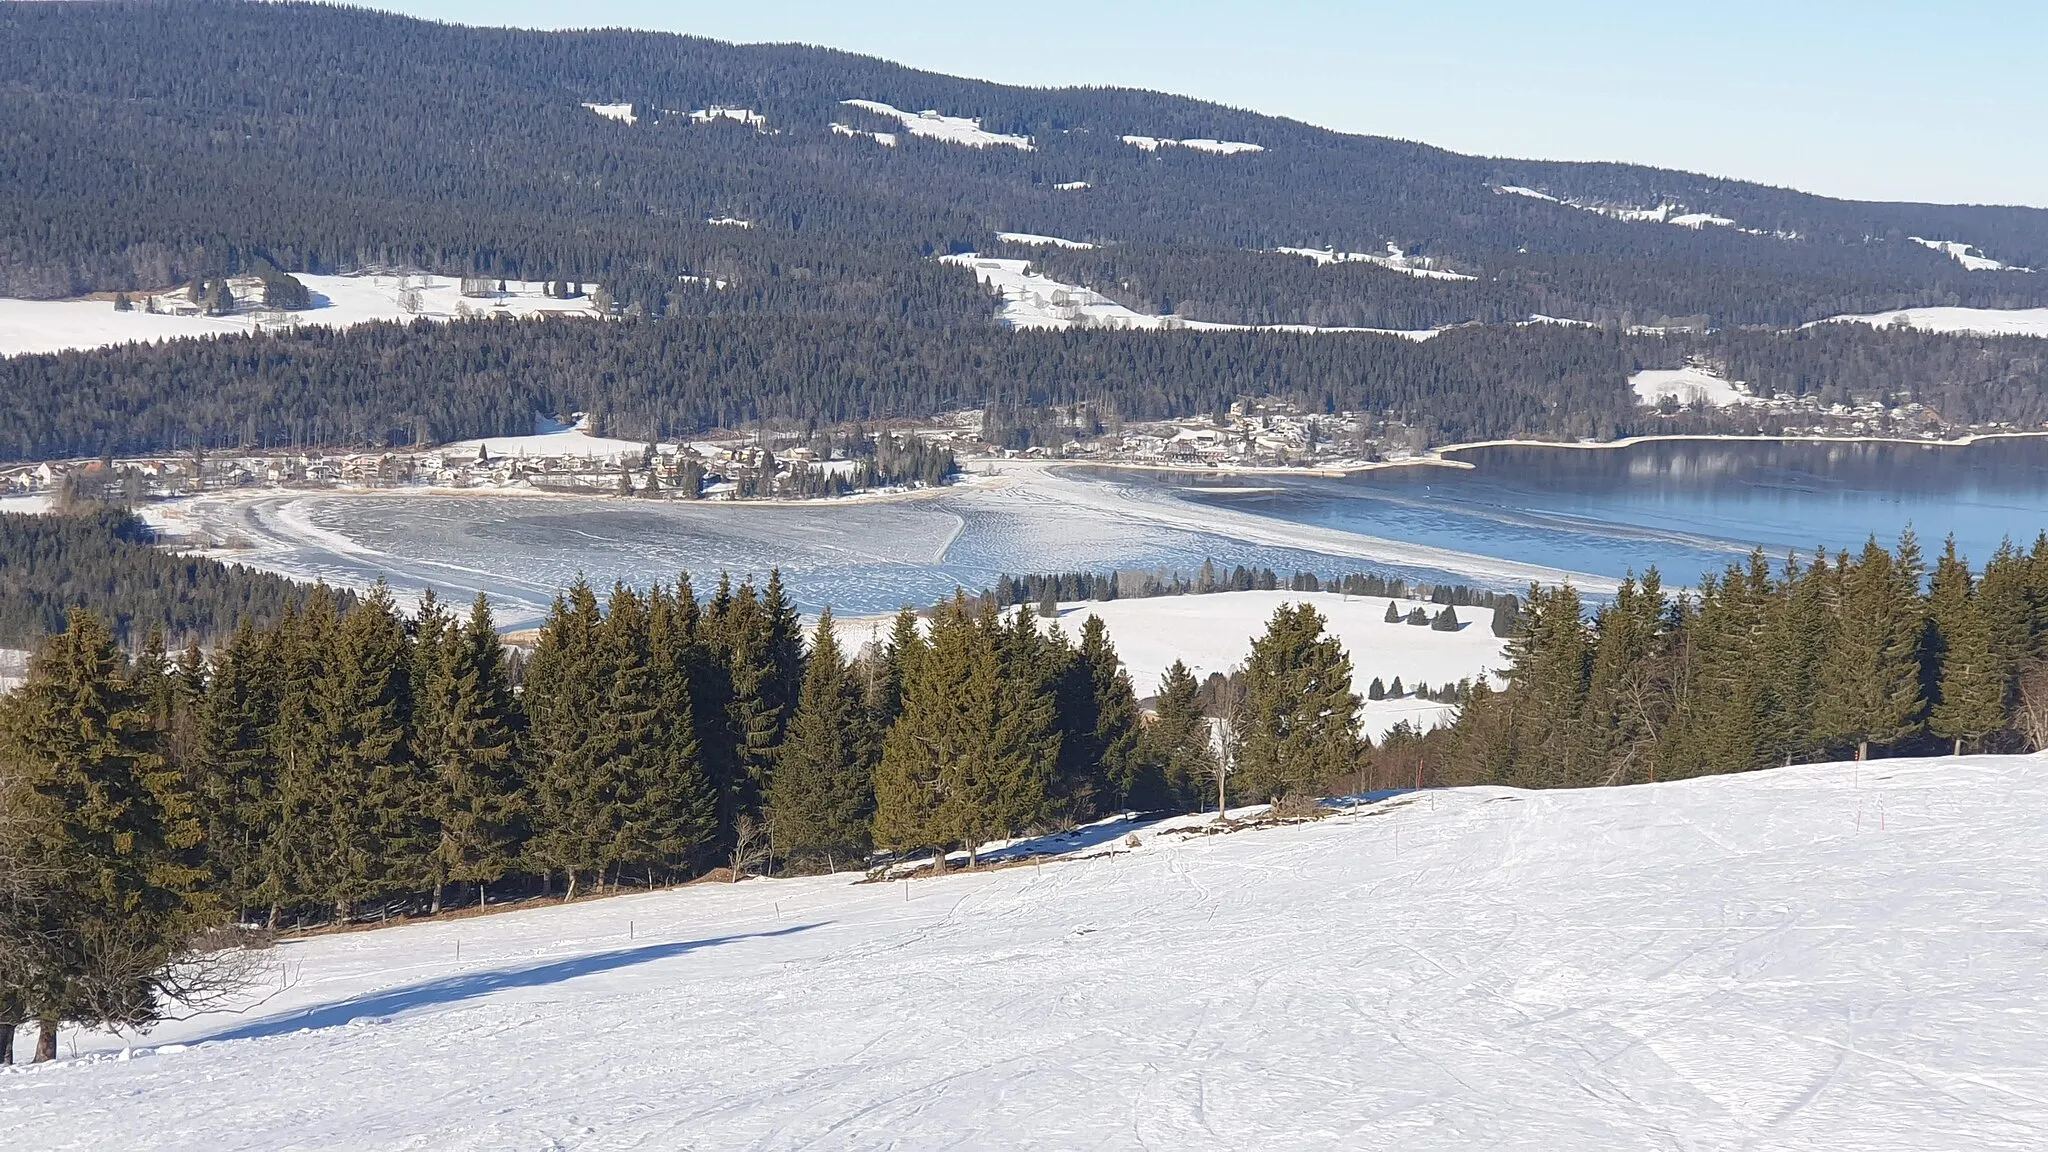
1033, 300
1664, 213
550, 439
1394, 260
934, 125
1199, 144
1035, 238
1803, 959
1970, 321
885, 139
1689, 385
338, 302
1967, 255
729, 222
623, 113
1072, 186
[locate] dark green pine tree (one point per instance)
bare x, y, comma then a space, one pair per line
1873, 671
292, 856
377, 838
1393, 615
1113, 740
1177, 750
231, 770
1006, 780
1624, 716
821, 803
564, 683
475, 767
679, 778
113, 826
1970, 684
937, 713
2006, 599
1298, 726
754, 712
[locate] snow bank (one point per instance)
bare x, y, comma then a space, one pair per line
1814, 958
1214, 633
338, 302
1199, 144
1688, 386
1972, 321
1032, 300
934, 125
1967, 255
623, 113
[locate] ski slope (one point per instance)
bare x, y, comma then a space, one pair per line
1825, 958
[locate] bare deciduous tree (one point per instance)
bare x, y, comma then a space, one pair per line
2031, 718
749, 846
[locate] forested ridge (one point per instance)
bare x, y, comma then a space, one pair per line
151, 143
106, 560
383, 385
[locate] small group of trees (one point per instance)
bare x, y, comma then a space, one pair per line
1444, 619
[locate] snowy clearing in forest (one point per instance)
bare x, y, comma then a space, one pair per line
1213, 632
1032, 300
1823, 957
1967, 255
1199, 144
933, 125
623, 113
1687, 386
1037, 239
1393, 260
338, 302
1968, 321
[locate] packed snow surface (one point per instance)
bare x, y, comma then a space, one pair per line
1974, 321
1967, 255
1688, 386
1033, 300
1825, 957
623, 113
938, 126
1213, 632
1199, 144
1035, 238
338, 302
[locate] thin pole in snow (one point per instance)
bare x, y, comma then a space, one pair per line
458, 951
629, 929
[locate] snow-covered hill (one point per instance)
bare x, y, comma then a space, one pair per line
1825, 957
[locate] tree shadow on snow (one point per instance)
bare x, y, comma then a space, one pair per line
470, 985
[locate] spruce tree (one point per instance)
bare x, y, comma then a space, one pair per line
1873, 672
1113, 742
1177, 749
1970, 684
475, 765
929, 733
1298, 727
376, 839
291, 859
821, 803
564, 683
114, 829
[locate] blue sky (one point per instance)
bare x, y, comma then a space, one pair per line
1875, 100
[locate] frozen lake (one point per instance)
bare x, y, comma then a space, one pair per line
1520, 514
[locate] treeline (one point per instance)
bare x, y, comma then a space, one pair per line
1043, 588
105, 559
362, 762
1815, 660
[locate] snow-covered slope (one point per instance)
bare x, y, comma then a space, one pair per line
1033, 300
338, 302
1214, 633
935, 125
1975, 321
1967, 255
1687, 386
1831, 957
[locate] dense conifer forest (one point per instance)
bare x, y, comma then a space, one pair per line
383, 385
105, 560
326, 138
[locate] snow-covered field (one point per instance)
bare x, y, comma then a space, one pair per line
1214, 633
1975, 321
1687, 386
1199, 144
338, 302
935, 125
1032, 300
550, 439
1828, 957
